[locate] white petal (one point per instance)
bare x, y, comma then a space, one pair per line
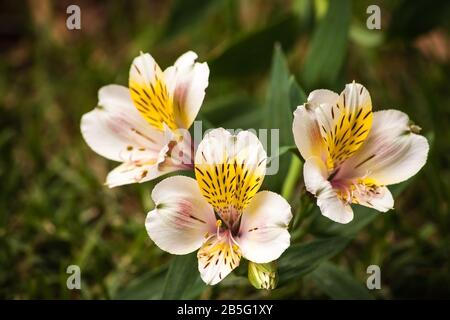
229, 170
115, 129
322, 96
263, 234
186, 60
217, 258
382, 201
130, 172
307, 133
333, 208
181, 217
187, 81
391, 153
315, 175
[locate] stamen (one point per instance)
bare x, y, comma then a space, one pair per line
218, 225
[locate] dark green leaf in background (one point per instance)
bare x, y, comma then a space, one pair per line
147, 286
183, 279
328, 47
338, 283
252, 52
277, 115
297, 95
185, 12
300, 259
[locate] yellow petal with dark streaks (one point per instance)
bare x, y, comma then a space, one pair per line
149, 92
230, 170
344, 126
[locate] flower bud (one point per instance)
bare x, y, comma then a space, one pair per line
263, 275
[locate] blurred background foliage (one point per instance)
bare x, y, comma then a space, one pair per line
264, 56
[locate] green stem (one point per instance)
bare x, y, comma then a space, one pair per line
291, 178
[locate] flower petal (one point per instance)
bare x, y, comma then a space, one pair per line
345, 124
307, 133
391, 154
187, 81
380, 200
130, 172
305, 127
229, 170
263, 234
217, 258
115, 129
315, 175
322, 96
181, 217
149, 92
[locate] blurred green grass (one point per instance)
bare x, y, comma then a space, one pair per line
54, 209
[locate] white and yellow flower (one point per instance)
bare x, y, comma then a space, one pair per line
352, 154
145, 126
221, 212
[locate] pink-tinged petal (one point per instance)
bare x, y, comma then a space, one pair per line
180, 154
315, 175
306, 130
217, 257
131, 172
263, 234
187, 81
115, 129
391, 153
379, 199
307, 133
182, 218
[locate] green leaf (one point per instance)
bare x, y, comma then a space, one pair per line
338, 283
183, 279
300, 259
328, 47
228, 107
278, 115
283, 150
297, 95
278, 111
184, 13
148, 286
251, 52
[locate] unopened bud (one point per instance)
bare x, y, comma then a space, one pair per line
263, 275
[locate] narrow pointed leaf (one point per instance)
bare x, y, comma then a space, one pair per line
183, 279
328, 47
338, 283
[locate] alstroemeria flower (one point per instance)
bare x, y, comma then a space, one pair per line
221, 212
145, 126
352, 154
